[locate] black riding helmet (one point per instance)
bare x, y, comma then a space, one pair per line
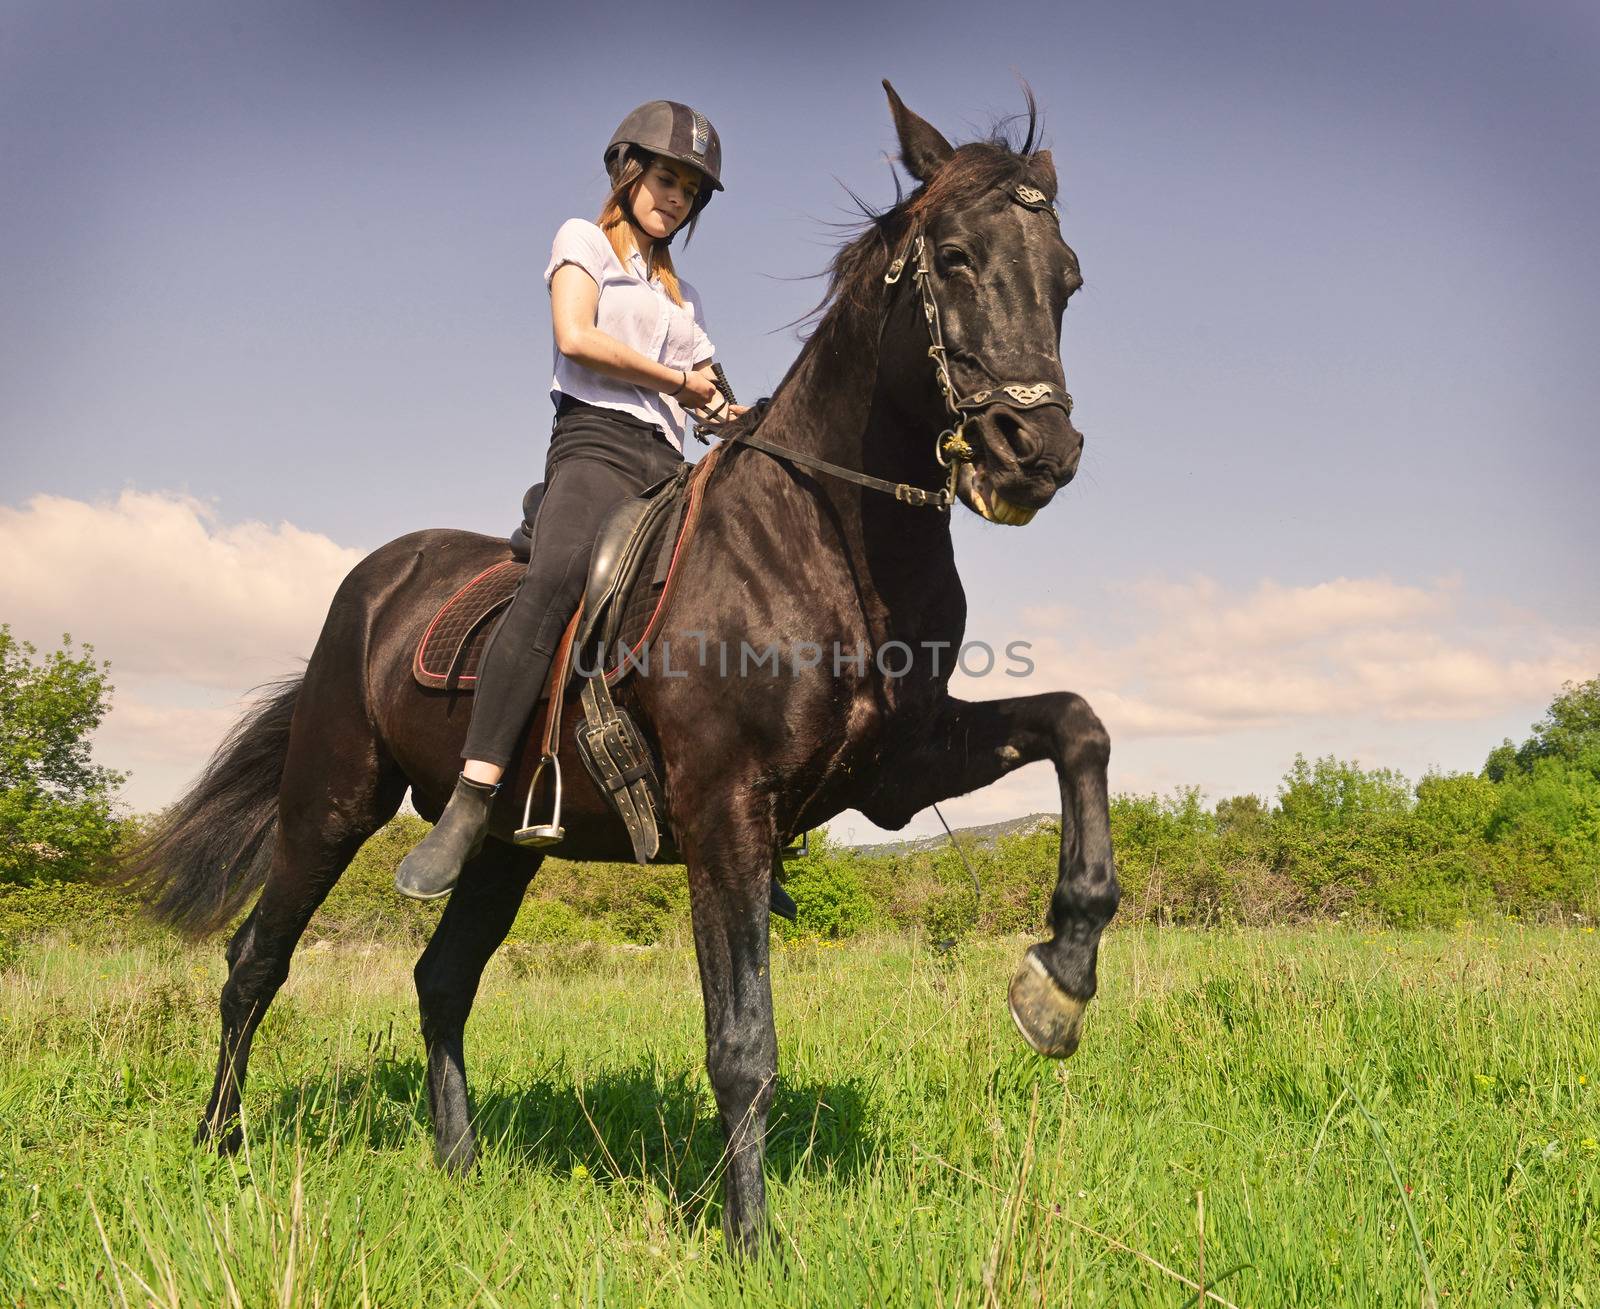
673, 131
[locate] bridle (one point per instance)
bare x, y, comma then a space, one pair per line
951, 447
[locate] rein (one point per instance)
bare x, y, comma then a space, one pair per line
951, 447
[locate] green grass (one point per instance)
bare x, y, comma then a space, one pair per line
1345, 1116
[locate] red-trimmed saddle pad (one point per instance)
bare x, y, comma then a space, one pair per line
450, 649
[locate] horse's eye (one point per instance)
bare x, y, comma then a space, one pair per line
953, 256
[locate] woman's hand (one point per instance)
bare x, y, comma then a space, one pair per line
696, 392
719, 413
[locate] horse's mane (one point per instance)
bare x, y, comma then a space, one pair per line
974, 169
855, 273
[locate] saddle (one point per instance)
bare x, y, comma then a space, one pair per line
632, 573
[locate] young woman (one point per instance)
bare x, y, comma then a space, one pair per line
631, 356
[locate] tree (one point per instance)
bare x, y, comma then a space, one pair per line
1455, 807
1245, 814
1547, 799
1569, 729
56, 805
1333, 793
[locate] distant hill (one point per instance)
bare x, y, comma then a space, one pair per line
987, 834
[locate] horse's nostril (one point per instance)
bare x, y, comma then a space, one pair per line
1024, 447
1070, 468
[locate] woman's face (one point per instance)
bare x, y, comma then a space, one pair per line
664, 196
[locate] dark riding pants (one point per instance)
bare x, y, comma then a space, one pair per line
597, 460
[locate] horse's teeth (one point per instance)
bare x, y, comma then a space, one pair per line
1009, 514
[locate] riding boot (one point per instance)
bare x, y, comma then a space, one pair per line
431, 870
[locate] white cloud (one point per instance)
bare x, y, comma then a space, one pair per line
1193, 658
141, 733
191, 612
1196, 680
1204, 684
162, 588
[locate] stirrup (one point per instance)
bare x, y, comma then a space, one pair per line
541, 833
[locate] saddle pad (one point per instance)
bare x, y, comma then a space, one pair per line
448, 654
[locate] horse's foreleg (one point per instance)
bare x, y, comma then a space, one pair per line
730, 854
476, 920
969, 745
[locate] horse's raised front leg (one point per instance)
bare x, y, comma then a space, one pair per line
475, 922
729, 850
971, 744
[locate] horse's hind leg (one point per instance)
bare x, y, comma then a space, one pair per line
335, 794
475, 922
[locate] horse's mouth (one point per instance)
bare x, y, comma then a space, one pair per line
978, 494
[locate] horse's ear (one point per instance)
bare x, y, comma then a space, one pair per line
1043, 168
922, 148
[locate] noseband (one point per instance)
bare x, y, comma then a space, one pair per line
951, 447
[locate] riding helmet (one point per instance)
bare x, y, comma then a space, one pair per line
674, 131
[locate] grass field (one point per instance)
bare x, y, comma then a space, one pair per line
1300, 1117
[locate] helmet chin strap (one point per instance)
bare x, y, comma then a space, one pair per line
666, 240
678, 227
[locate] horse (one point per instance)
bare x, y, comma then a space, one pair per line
817, 520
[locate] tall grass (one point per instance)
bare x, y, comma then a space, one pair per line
1267, 1112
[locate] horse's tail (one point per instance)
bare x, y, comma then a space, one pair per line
209, 853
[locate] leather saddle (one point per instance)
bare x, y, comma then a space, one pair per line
632, 570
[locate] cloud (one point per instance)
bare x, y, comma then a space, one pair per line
143, 733
191, 612
163, 588
1194, 658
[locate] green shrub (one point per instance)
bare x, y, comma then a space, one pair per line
57, 806
950, 916
80, 911
550, 922
829, 892
1341, 842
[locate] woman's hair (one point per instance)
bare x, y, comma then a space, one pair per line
614, 221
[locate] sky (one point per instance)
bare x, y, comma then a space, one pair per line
271, 295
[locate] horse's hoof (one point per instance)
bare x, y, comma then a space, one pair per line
458, 1159
746, 1242
1050, 1020
223, 1140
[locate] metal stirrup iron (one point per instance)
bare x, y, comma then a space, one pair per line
550, 833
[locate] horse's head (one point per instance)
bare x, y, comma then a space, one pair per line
980, 257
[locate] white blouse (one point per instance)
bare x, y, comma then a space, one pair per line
636, 312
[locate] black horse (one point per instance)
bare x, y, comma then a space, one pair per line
971, 263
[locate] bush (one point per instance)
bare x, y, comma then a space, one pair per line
81, 911
550, 922
829, 892
1342, 841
